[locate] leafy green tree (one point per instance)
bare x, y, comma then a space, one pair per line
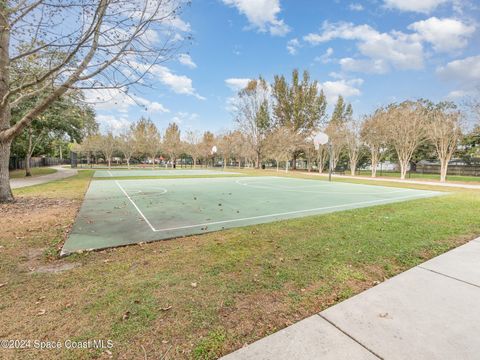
299, 105
67, 119
470, 143
342, 112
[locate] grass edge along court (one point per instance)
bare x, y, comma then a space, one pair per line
123, 212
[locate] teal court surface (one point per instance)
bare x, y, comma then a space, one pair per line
122, 212
159, 172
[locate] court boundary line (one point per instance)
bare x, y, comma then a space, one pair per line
136, 207
321, 191
418, 196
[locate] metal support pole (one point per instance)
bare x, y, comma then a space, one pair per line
330, 164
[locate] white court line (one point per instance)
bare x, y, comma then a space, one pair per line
110, 173
136, 207
292, 189
292, 212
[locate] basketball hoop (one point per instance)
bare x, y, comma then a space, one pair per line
214, 150
320, 139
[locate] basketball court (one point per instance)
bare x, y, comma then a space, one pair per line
158, 172
122, 212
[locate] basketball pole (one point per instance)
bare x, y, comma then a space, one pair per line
330, 148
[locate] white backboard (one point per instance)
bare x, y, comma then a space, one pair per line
320, 139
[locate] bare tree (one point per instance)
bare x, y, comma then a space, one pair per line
374, 135
226, 145
193, 146
406, 130
252, 114
108, 145
239, 147
308, 149
106, 45
208, 141
323, 153
91, 146
280, 143
353, 143
335, 132
148, 139
444, 132
172, 144
127, 145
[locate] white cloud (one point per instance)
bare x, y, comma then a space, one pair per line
150, 106
355, 7
444, 34
396, 48
115, 100
180, 24
113, 123
421, 6
179, 84
336, 75
466, 71
292, 46
326, 57
157, 107
237, 84
369, 66
185, 119
186, 60
346, 88
457, 94
262, 14
109, 99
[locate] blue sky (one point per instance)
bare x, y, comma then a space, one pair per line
373, 52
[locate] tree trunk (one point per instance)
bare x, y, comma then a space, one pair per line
28, 171
277, 164
5, 190
374, 163
286, 166
294, 164
5, 113
443, 170
257, 161
109, 163
128, 163
225, 163
403, 169
28, 156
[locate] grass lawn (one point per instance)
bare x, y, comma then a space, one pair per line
203, 296
450, 178
36, 171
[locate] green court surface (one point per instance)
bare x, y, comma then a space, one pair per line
158, 172
122, 212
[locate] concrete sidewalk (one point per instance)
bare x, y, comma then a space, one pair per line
61, 173
428, 312
418, 182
